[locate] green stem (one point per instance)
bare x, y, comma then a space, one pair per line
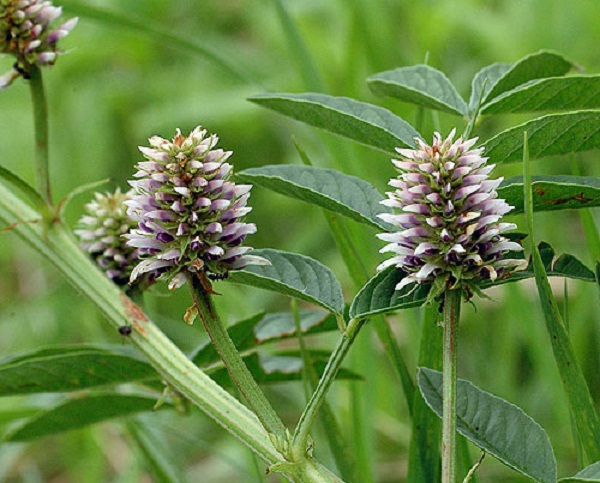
451, 315
40, 122
300, 439
230, 356
59, 247
335, 437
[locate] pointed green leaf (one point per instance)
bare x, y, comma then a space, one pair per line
365, 123
490, 75
278, 368
330, 189
294, 275
535, 66
259, 329
81, 412
496, 426
572, 132
552, 193
589, 474
379, 294
421, 85
71, 371
30, 194
559, 93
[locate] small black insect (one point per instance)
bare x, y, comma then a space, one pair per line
125, 330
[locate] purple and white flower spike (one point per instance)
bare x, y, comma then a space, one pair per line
26, 33
449, 228
189, 212
101, 230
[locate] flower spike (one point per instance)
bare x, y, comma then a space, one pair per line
101, 230
448, 218
26, 34
189, 213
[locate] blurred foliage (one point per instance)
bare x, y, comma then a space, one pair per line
119, 85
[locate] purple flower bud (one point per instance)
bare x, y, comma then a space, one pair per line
449, 219
27, 34
101, 233
188, 210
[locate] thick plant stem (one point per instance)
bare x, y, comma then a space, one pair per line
40, 123
301, 434
239, 373
59, 247
452, 301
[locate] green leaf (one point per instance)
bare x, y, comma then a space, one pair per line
294, 275
379, 295
490, 75
277, 368
328, 188
588, 474
365, 123
559, 93
32, 196
421, 85
535, 66
553, 193
279, 326
572, 132
71, 371
496, 426
81, 412
260, 329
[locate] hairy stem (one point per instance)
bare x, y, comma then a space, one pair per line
451, 316
301, 434
40, 122
230, 356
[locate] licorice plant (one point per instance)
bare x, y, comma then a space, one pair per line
185, 220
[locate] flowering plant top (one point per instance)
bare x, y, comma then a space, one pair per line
101, 231
189, 212
449, 228
26, 33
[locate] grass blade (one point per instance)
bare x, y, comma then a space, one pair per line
576, 389
161, 35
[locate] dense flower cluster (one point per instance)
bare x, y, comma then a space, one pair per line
101, 232
449, 227
189, 212
26, 33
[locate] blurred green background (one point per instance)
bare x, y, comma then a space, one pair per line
120, 84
